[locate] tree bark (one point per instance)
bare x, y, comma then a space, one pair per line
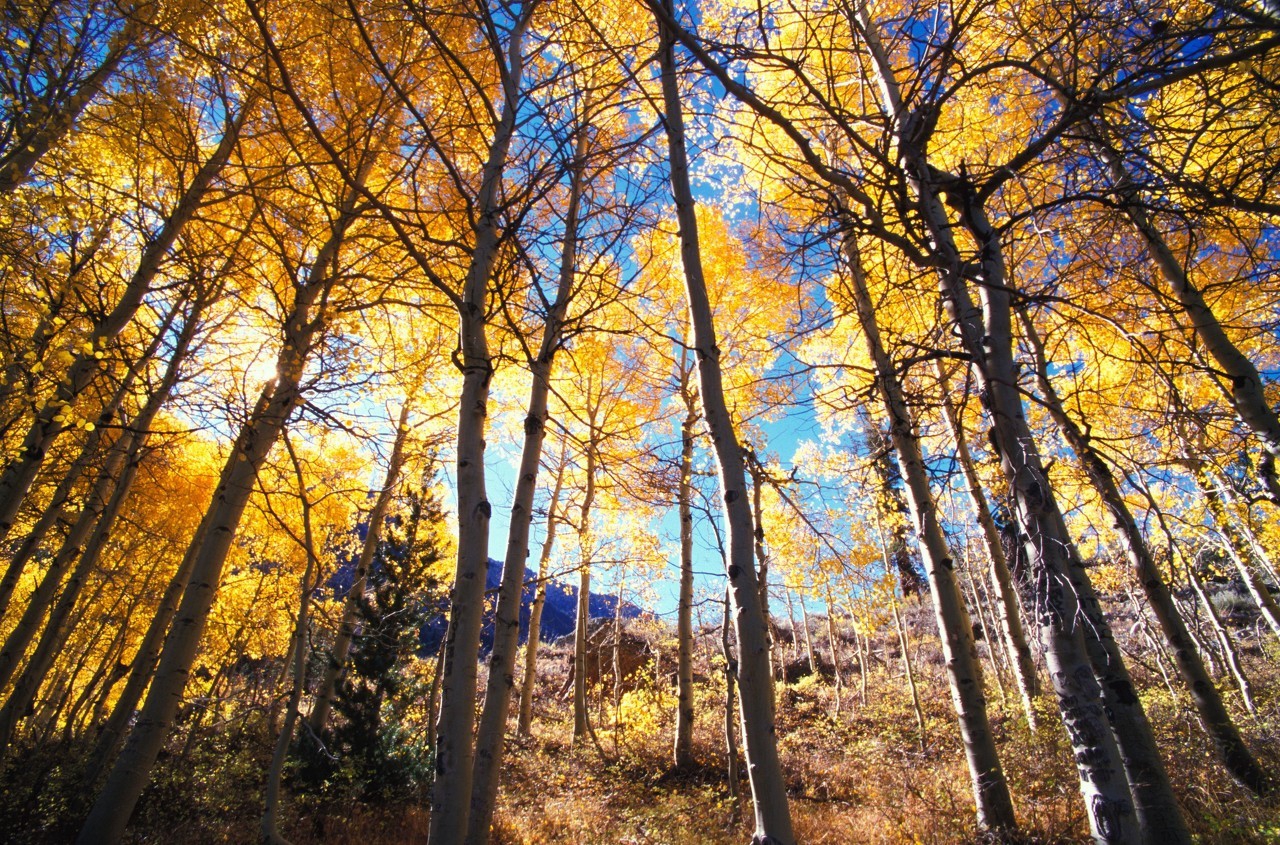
964, 672
1007, 608
539, 602
768, 788
683, 750
506, 635
1234, 754
455, 748
21, 470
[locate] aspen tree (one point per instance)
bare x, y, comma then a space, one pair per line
773, 818
1213, 715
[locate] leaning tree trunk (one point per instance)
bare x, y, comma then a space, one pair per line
132, 770
1246, 393
51, 126
270, 824
1235, 756
768, 787
1006, 609
455, 749
86, 540
1155, 807
49, 423
1238, 547
506, 635
338, 654
964, 672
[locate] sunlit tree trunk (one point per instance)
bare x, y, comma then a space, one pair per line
1221, 634
506, 635
768, 788
53, 124
55, 512
1213, 714
270, 823
455, 743
1238, 546
1246, 389
336, 662
21, 470
582, 623
683, 752
1007, 609
1155, 807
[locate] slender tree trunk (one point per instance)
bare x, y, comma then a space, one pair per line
38, 136
55, 511
730, 735
791, 619
85, 540
1246, 393
132, 770
808, 637
582, 627
270, 825
901, 631
683, 751
1213, 714
142, 668
834, 642
539, 602
1238, 548
1007, 608
455, 749
756, 470
49, 423
1223, 636
338, 654
768, 787
991, 792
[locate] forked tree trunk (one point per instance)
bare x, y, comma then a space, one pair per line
1217, 723
768, 787
132, 770
506, 635
455, 748
341, 650
1155, 807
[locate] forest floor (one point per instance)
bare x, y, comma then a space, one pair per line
858, 769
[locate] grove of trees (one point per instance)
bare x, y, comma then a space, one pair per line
839, 307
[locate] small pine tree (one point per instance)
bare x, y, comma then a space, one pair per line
378, 744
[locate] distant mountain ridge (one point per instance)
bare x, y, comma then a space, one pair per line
558, 614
